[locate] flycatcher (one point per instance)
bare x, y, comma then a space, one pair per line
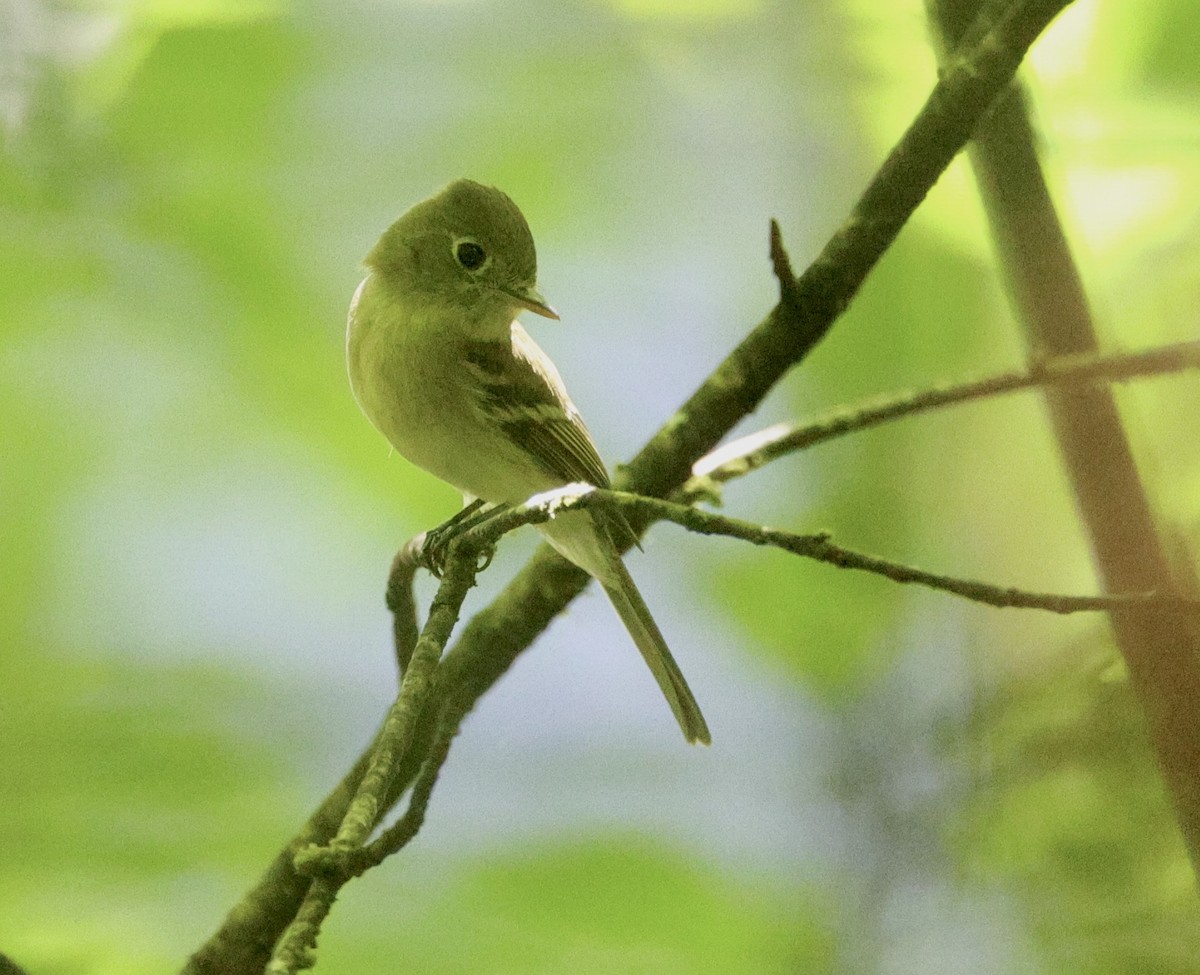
443, 370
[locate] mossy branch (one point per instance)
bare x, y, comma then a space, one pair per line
817, 545
331, 865
748, 453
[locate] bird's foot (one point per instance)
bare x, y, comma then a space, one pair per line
436, 545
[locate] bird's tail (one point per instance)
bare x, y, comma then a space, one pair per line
636, 616
579, 537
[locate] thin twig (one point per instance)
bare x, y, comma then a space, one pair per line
395, 738
820, 547
752, 451
402, 601
781, 265
296, 949
398, 835
332, 865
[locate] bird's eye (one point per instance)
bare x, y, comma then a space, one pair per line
470, 255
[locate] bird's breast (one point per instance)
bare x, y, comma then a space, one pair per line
408, 376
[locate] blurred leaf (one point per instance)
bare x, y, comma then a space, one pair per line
132, 804
599, 905
1169, 57
703, 11
174, 14
1070, 810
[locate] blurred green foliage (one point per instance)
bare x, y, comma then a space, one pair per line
195, 521
592, 906
1066, 811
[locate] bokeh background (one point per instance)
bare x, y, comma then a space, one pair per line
196, 523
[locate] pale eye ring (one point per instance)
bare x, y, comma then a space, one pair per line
469, 254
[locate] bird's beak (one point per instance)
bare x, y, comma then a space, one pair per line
531, 299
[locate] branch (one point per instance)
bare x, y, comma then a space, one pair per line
748, 453
1161, 649
10, 967
401, 601
819, 546
816, 546
808, 309
348, 857
544, 507
396, 736
397, 836
296, 950
331, 865
495, 636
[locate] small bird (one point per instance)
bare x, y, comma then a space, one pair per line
439, 364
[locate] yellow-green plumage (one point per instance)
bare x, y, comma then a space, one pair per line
441, 368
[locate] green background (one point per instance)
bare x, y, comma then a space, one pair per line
196, 522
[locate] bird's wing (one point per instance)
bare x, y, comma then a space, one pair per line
518, 389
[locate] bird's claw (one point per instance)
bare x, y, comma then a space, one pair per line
436, 547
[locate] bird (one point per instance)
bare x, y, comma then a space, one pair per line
441, 367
